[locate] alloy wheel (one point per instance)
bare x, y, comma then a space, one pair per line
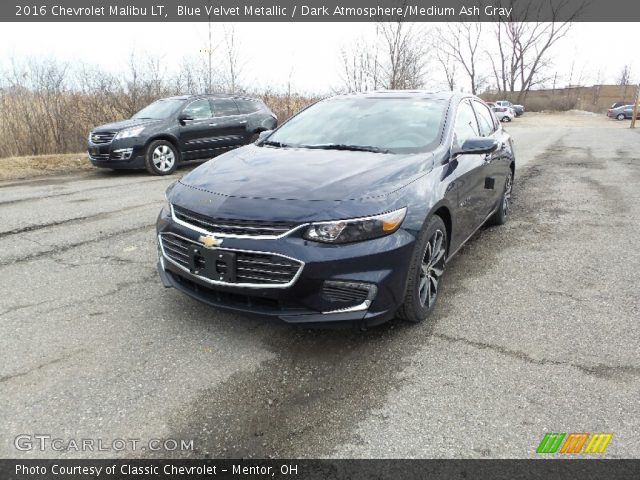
163, 158
431, 269
506, 200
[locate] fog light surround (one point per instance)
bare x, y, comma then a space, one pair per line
122, 154
353, 295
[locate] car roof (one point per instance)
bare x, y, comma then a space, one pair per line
437, 95
209, 95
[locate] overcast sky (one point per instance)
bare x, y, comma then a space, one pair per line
273, 52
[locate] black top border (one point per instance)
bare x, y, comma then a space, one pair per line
320, 11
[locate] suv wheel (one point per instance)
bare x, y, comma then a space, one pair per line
501, 215
161, 158
620, 116
425, 272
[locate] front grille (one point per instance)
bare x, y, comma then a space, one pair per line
255, 268
99, 138
345, 292
232, 227
100, 156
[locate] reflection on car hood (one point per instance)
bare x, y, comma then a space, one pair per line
117, 126
303, 174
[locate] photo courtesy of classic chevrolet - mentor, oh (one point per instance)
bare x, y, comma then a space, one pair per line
348, 212
175, 129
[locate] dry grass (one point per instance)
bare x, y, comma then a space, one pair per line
33, 166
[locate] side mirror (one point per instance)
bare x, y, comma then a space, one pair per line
184, 117
263, 135
477, 146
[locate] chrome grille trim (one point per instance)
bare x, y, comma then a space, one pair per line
100, 138
167, 245
254, 232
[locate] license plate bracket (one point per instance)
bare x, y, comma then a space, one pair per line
213, 264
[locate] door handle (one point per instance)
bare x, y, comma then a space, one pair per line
213, 124
242, 122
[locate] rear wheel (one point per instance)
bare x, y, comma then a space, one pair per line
425, 272
161, 158
502, 213
506, 119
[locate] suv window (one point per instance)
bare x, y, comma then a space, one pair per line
247, 106
485, 119
466, 125
224, 107
198, 109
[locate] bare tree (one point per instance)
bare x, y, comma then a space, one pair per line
448, 64
232, 59
624, 77
403, 57
523, 47
461, 42
360, 67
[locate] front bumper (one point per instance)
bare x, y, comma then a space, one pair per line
381, 264
118, 154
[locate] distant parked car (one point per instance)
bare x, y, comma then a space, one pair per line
504, 114
618, 104
623, 112
517, 109
171, 130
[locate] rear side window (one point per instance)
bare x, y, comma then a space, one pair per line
485, 119
466, 126
247, 106
198, 109
224, 107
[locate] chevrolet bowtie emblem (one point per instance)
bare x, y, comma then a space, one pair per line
210, 241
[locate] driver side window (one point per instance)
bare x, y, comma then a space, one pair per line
199, 109
466, 125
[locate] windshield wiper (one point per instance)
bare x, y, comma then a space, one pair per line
342, 146
271, 143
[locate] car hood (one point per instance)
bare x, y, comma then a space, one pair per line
117, 126
254, 172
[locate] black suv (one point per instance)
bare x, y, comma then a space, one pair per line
170, 130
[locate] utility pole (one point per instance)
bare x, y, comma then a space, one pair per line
636, 102
210, 53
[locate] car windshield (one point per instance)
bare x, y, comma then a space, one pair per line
389, 125
160, 110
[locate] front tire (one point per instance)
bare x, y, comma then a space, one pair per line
161, 158
426, 271
620, 116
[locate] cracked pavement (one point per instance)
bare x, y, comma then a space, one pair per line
536, 328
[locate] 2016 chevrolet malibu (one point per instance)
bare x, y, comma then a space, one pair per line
349, 211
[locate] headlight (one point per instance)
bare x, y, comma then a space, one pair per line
129, 132
356, 229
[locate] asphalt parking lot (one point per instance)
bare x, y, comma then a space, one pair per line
536, 329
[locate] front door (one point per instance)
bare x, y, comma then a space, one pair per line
469, 175
197, 134
496, 163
